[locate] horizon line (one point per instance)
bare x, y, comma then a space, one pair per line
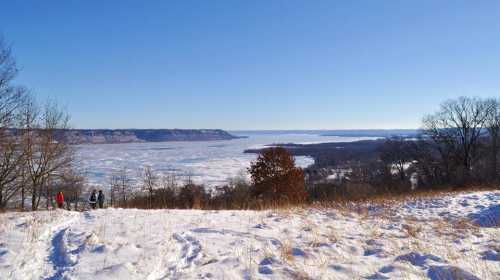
321, 129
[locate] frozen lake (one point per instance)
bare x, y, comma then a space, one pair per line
207, 162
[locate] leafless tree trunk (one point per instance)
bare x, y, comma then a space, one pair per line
169, 185
71, 184
23, 197
11, 162
493, 125
32, 151
11, 100
46, 154
149, 183
395, 155
120, 188
456, 129
11, 96
114, 187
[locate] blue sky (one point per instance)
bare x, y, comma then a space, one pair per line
254, 64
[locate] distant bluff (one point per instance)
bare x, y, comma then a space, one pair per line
116, 136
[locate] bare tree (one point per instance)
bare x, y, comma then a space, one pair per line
456, 129
47, 155
168, 189
33, 151
11, 164
114, 184
395, 155
11, 101
10, 96
493, 126
72, 184
149, 183
120, 188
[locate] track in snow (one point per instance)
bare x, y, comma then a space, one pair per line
65, 248
190, 250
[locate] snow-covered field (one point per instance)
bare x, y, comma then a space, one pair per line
453, 237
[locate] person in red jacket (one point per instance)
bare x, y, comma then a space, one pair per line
60, 200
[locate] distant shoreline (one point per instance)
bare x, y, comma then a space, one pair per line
124, 136
337, 132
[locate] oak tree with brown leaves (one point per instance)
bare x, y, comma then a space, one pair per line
276, 178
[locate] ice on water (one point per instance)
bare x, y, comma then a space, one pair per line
208, 162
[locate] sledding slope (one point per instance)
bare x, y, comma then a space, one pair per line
453, 237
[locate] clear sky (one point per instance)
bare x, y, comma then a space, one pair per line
254, 64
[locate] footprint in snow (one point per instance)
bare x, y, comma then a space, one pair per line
22, 225
373, 242
417, 259
449, 273
88, 216
190, 250
489, 255
378, 252
60, 257
265, 270
386, 269
260, 226
3, 251
375, 248
297, 252
377, 276
268, 261
337, 267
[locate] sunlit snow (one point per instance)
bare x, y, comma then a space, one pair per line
442, 238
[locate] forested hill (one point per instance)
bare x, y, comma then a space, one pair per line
115, 136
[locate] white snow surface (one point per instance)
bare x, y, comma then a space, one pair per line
451, 237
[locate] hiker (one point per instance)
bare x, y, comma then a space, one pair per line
100, 199
93, 200
60, 200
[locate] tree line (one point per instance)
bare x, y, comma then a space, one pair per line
457, 147
34, 163
464, 136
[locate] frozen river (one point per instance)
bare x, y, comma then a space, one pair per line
207, 162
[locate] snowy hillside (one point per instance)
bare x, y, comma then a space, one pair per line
456, 237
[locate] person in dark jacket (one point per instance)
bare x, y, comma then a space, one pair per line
60, 200
100, 199
93, 200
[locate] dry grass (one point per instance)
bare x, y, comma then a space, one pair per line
412, 230
332, 235
34, 226
386, 199
286, 251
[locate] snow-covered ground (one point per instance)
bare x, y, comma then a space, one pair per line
453, 237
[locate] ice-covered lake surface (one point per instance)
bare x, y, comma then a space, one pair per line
207, 162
